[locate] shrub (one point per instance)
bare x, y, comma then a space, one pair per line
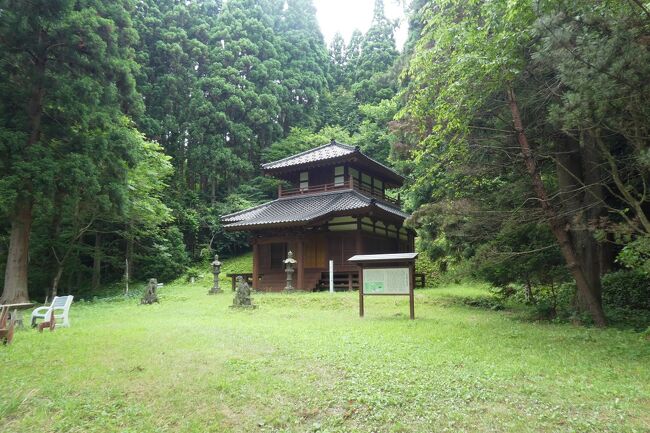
486, 302
626, 289
520, 255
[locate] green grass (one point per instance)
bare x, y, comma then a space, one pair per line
307, 363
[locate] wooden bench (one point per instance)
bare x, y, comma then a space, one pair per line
7, 325
14, 311
248, 277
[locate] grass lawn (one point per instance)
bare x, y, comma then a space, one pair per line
307, 363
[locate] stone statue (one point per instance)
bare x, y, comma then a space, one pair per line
290, 262
242, 295
150, 295
216, 269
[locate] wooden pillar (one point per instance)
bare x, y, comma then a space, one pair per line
300, 257
411, 241
358, 240
411, 289
358, 250
361, 310
398, 227
256, 265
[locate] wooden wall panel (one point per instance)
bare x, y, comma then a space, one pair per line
316, 252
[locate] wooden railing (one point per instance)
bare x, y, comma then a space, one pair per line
312, 189
342, 281
349, 183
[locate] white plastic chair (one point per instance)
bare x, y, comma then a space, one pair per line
58, 303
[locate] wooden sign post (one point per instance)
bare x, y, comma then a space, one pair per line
386, 275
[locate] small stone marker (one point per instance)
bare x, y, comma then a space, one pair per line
242, 295
216, 270
290, 262
150, 295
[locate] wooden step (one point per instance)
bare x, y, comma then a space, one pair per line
342, 281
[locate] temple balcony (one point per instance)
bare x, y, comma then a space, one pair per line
349, 184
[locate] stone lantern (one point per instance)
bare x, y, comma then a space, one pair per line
290, 263
216, 270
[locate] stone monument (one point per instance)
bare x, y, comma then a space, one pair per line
290, 262
242, 295
150, 295
216, 270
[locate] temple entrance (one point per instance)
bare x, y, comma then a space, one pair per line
278, 252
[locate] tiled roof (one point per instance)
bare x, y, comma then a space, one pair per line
321, 153
303, 209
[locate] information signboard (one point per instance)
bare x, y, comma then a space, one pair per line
386, 274
386, 281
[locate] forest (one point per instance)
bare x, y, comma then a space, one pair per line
127, 127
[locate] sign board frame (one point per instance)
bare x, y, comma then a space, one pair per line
385, 281
386, 263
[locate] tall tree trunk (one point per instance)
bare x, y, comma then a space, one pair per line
57, 279
129, 257
55, 232
593, 208
580, 182
97, 262
585, 290
15, 286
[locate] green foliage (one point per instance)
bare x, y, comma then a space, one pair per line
71, 147
364, 79
146, 183
523, 254
305, 69
64, 97
376, 57
374, 137
577, 70
627, 289
223, 81
636, 254
337, 60
162, 255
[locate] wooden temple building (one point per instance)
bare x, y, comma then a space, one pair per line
335, 207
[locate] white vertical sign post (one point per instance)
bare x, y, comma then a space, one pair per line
331, 276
